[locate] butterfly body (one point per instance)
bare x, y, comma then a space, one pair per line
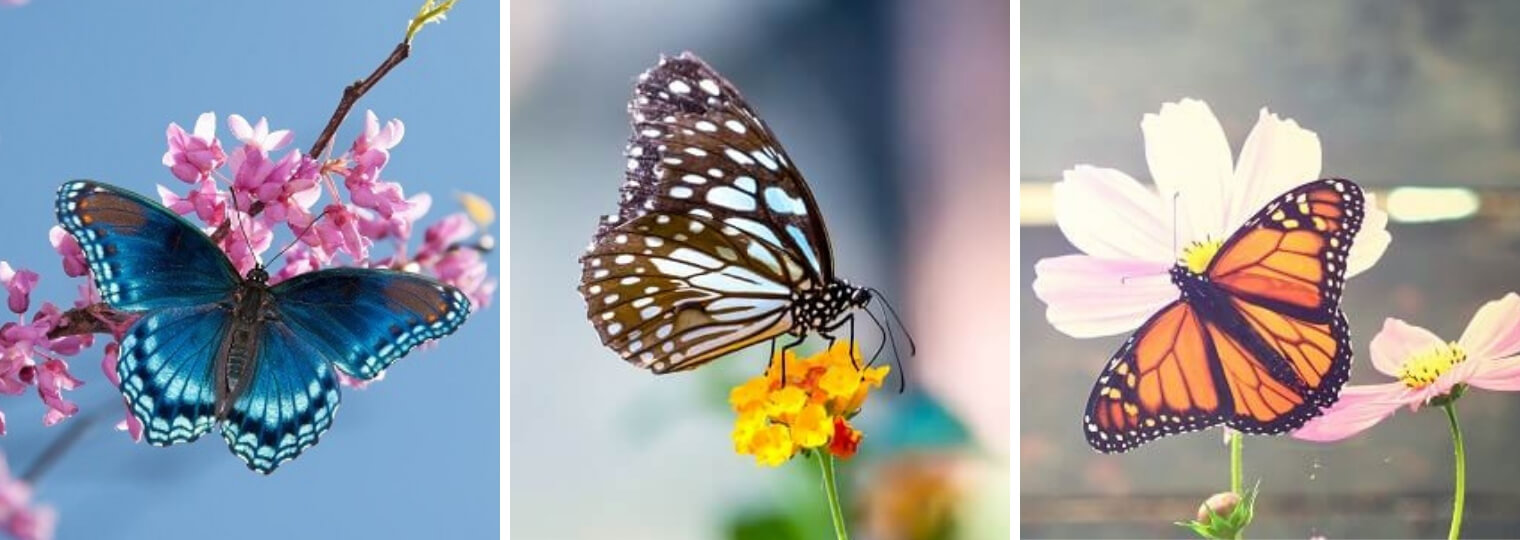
1256, 339
717, 243
211, 348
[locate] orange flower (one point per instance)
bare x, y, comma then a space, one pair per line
808, 410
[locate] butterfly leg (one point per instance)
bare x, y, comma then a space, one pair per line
827, 332
784, 348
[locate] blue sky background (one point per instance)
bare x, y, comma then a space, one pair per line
86, 91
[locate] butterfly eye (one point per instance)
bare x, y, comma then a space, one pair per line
861, 297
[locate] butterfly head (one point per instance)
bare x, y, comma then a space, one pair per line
258, 274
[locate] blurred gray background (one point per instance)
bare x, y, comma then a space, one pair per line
1401, 94
896, 114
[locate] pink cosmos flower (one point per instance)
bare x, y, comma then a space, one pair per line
1127, 231
19, 516
1486, 356
192, 157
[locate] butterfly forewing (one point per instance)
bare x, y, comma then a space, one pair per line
670, 292
698, 146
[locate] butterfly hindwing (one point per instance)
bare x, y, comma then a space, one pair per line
670, 292
364, 319
165, 366
287, 406
141, 255
698, 147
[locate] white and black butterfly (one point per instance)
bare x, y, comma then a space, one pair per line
717, 244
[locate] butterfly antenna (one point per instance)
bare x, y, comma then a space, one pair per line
298, 238
881, 345
912, 348
242, 224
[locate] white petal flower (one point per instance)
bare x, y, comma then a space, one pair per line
1131, 235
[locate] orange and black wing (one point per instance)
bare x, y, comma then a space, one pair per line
1281, 277
1262, 348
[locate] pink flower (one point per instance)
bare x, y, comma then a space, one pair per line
370, 153
299, 260
399, 225
1486, 356
338, 231
131, 425
248, 238
19, 517
259, 177
258, 136
204, 200
192, 157
372, 149
64, 243
18, 287
52, 379
1129, 236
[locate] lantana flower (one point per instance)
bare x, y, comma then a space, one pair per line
1427, 369
809, 411
1131, 235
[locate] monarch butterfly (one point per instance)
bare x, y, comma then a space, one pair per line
718, 243
1257, 340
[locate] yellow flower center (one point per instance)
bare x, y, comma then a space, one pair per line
1424, 368
1197, 255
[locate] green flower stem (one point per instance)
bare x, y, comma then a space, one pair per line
826, 463
1460, 497
1237, 453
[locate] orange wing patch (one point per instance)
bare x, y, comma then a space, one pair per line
1294, 250
1160, 382
1309, 347
1259, 398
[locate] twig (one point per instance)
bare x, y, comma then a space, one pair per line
56, 449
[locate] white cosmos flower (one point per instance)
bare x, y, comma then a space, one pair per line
1131, 235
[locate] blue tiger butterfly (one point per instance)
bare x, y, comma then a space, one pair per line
212, 348
1257, 341
717, 244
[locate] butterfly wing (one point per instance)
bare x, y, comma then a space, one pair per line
697, 147
1283, 273
142, 256
287, 406
1263, 350
165, 367
670, 292
364, 319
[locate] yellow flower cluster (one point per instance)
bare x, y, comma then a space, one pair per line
809, 411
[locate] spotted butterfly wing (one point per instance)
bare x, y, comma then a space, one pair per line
1257, 341
717, 243
211, 348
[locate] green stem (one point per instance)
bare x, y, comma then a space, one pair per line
1460, 498
826, 462
1237, 453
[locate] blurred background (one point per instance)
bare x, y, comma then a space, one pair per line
87, 90
1403, 95
896, 113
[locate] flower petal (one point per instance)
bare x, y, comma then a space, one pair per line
1089, 297
1359, 408
1498, 374
1278, 156
1106, 213
1371, 241
1190, 160
205, 126
1494, 331
1397, 342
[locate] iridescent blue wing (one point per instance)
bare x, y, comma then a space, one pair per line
142, 256
287, 406
166, 371
363, 319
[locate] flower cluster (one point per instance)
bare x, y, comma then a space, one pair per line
809, 409
243, 198
28, 357
19, 517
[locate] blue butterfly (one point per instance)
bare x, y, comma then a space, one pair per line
212, 348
